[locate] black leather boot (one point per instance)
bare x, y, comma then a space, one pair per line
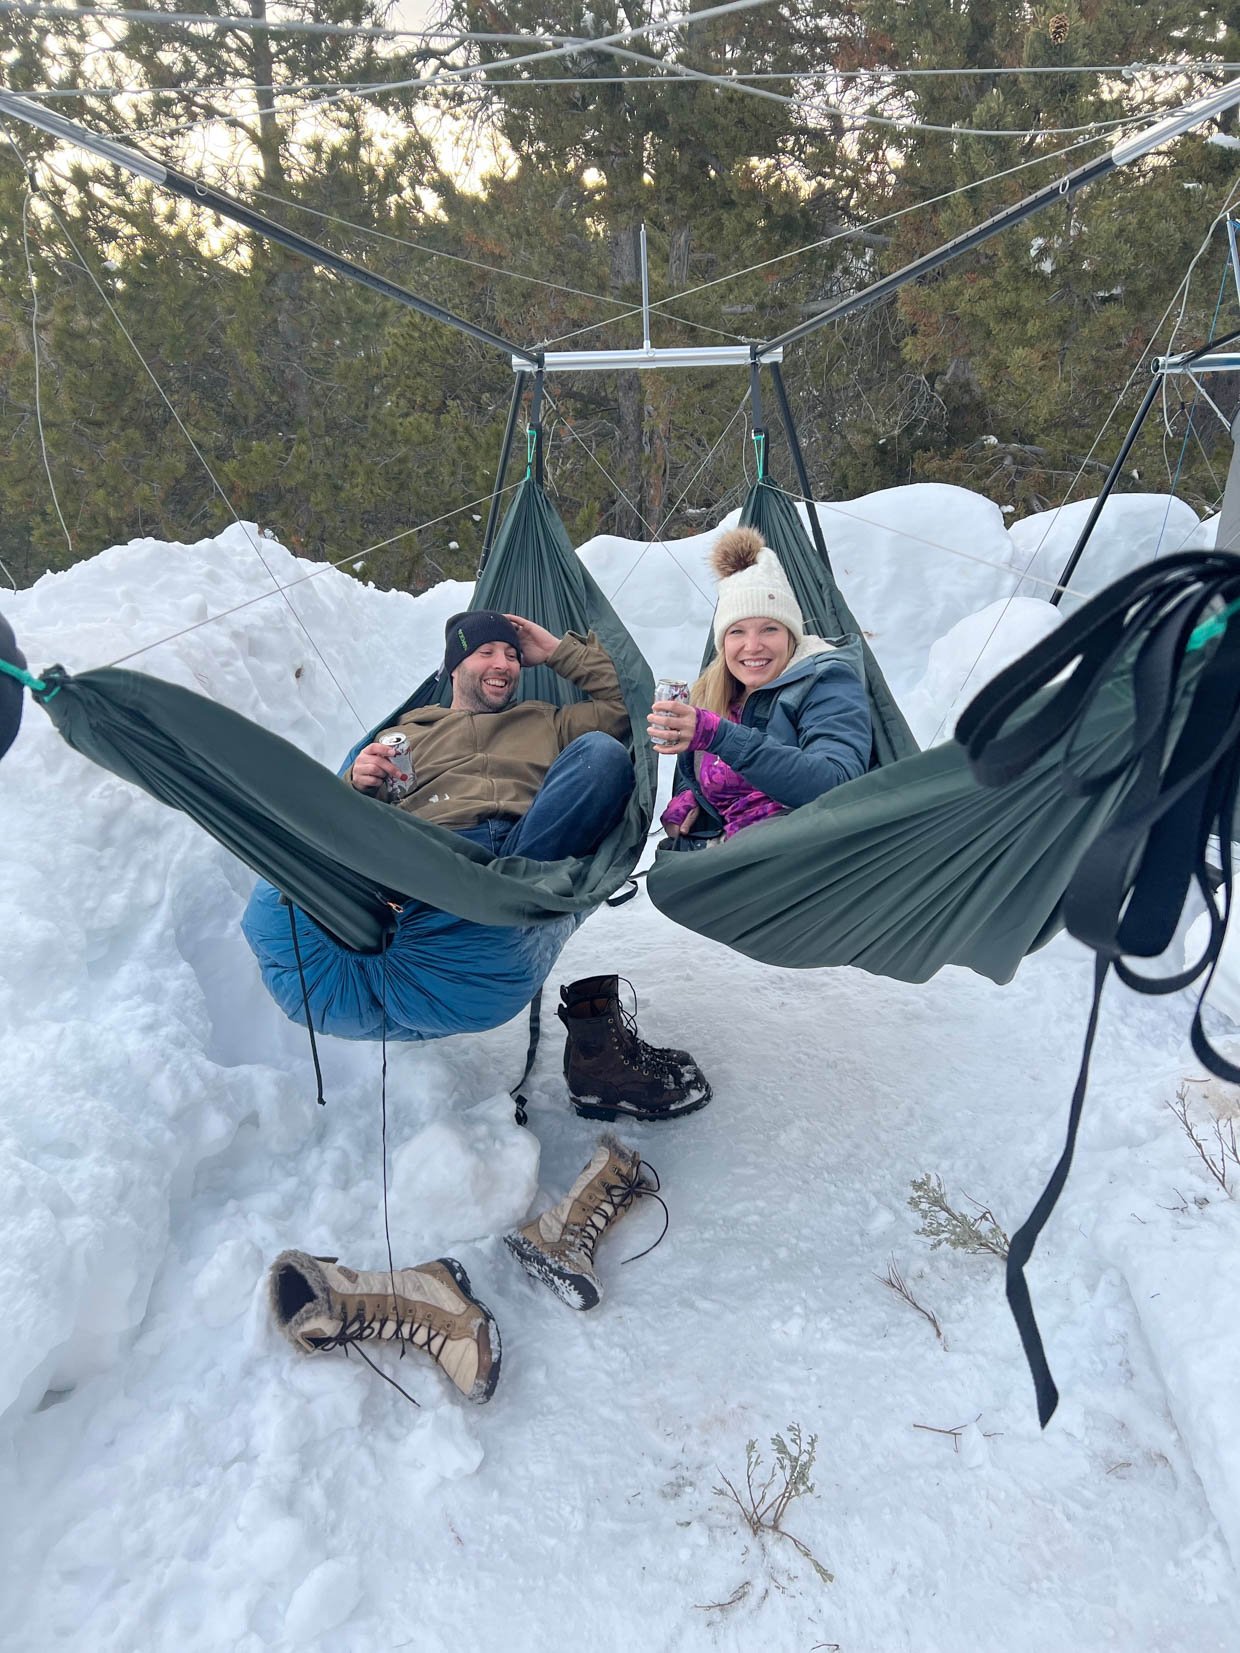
611, 1071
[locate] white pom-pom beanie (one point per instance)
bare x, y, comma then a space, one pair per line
752, 585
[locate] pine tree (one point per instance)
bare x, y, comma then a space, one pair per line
719, 178
1023, 345
275, 368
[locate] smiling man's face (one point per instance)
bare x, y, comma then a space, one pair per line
486, 680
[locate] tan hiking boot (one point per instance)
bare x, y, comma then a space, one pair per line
558, 1247
320, 1305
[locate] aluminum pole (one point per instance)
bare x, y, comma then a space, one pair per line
215, 200
1128, 149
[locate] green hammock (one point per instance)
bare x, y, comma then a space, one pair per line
331, 851
913, 866
770, 510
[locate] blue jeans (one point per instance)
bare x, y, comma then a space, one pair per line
582, 797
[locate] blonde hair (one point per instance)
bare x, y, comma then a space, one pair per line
718, 691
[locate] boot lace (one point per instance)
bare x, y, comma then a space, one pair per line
617, 1195
356, 1330
628, 1188
656, 1060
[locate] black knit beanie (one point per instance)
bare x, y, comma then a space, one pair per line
11, 691
469, 631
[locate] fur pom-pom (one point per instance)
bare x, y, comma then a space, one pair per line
734, 550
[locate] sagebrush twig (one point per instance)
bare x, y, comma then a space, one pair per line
896, 1282
943, 1224
764, 1510
1227, 1149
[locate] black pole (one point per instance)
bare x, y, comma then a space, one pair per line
798, 463
514, 408
1147, 401
1062, 187
215, 200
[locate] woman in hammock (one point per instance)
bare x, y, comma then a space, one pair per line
776, 719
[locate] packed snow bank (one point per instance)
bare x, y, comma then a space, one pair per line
1132, 529
186, 1480
127, 997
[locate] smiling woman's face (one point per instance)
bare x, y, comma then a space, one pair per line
756, 651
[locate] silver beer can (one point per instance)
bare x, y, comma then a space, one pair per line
670, 688
402, 757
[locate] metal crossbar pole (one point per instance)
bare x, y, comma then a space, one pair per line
1128, 149
216, 200
658, 356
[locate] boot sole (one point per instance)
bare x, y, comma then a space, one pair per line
482, 1391
576, 1290
593, 1108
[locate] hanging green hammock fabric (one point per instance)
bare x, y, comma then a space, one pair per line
911, 867
774, 514
340, 856
914, 865
533, 570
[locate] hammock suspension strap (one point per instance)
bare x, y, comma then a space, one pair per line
759, 424
520, 1107
1129, 888
36, 685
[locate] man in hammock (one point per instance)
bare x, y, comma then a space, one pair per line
545, 782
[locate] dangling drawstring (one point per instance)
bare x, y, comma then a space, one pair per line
387, 1232
637, 1189
305, 1000
520, 1107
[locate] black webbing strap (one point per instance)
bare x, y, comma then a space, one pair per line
759, 423
520, 1107
1160, 636
305, 999
626, 892
536, 426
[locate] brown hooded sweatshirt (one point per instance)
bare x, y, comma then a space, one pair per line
473, 765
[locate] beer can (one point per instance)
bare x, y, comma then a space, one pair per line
670, 688
398, 750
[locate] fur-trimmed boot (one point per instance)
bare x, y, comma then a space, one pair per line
611, 1071
320, 1305
557, 1248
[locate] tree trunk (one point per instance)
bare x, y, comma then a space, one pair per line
627, 511
291, 270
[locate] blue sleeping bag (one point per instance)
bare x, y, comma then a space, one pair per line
443, 975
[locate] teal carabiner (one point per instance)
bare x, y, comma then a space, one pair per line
36, 685
1212, 628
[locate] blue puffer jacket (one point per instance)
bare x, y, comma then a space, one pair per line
798, 737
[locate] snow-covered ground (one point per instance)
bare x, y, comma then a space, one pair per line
177, 1478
